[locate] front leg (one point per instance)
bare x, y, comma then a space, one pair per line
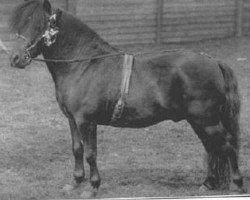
88, 131
78, 152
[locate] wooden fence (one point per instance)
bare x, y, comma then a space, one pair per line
245, 17
153, 21
164, 21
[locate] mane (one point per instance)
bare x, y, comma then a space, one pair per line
20, 16
84, 35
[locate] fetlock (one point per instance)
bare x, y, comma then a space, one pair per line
79, 176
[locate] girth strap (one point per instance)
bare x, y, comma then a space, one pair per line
126, 74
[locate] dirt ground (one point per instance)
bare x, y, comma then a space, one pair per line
164, 160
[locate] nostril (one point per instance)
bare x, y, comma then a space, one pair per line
15, 58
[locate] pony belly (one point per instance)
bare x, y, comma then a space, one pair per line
134, 121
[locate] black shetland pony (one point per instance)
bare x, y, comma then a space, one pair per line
169, 86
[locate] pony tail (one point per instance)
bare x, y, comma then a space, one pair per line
229, 114
231, 108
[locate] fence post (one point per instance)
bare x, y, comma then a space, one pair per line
160, 9
239, 17
71, 6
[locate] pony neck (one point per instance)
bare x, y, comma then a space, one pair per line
76, 40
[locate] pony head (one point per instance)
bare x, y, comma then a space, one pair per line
36, 27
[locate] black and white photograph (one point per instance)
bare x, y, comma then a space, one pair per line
124, 99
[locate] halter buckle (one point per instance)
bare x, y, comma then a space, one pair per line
27, 57
50, 34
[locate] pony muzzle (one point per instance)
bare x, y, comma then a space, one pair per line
20, 60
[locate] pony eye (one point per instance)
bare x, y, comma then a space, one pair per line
38, 29
53, 23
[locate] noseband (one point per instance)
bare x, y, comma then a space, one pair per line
48, 38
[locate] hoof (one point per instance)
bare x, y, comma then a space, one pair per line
236, 186
79, 179
203, 189
243, 191
89, 194
237, 190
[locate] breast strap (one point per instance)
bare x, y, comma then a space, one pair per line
124, 90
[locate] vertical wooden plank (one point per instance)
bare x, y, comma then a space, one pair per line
239, 17
71, 6
59, 4
160, 9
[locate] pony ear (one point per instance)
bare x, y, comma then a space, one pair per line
47, 6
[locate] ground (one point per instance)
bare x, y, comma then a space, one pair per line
160, 161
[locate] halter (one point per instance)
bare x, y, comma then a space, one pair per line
49, 37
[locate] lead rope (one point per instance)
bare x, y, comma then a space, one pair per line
101, 56
5, 49
78, 60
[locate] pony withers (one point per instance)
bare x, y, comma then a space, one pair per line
174, 85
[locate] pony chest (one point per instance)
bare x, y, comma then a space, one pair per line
74, 100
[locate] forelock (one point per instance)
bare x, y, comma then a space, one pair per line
21, 14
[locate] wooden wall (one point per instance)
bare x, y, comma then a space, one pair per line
6, 7
138, 21
197, 19
246, 18
120, 21
150, 21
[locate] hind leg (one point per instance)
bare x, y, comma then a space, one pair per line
237, 180
231, 149
222, 156
212, 180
